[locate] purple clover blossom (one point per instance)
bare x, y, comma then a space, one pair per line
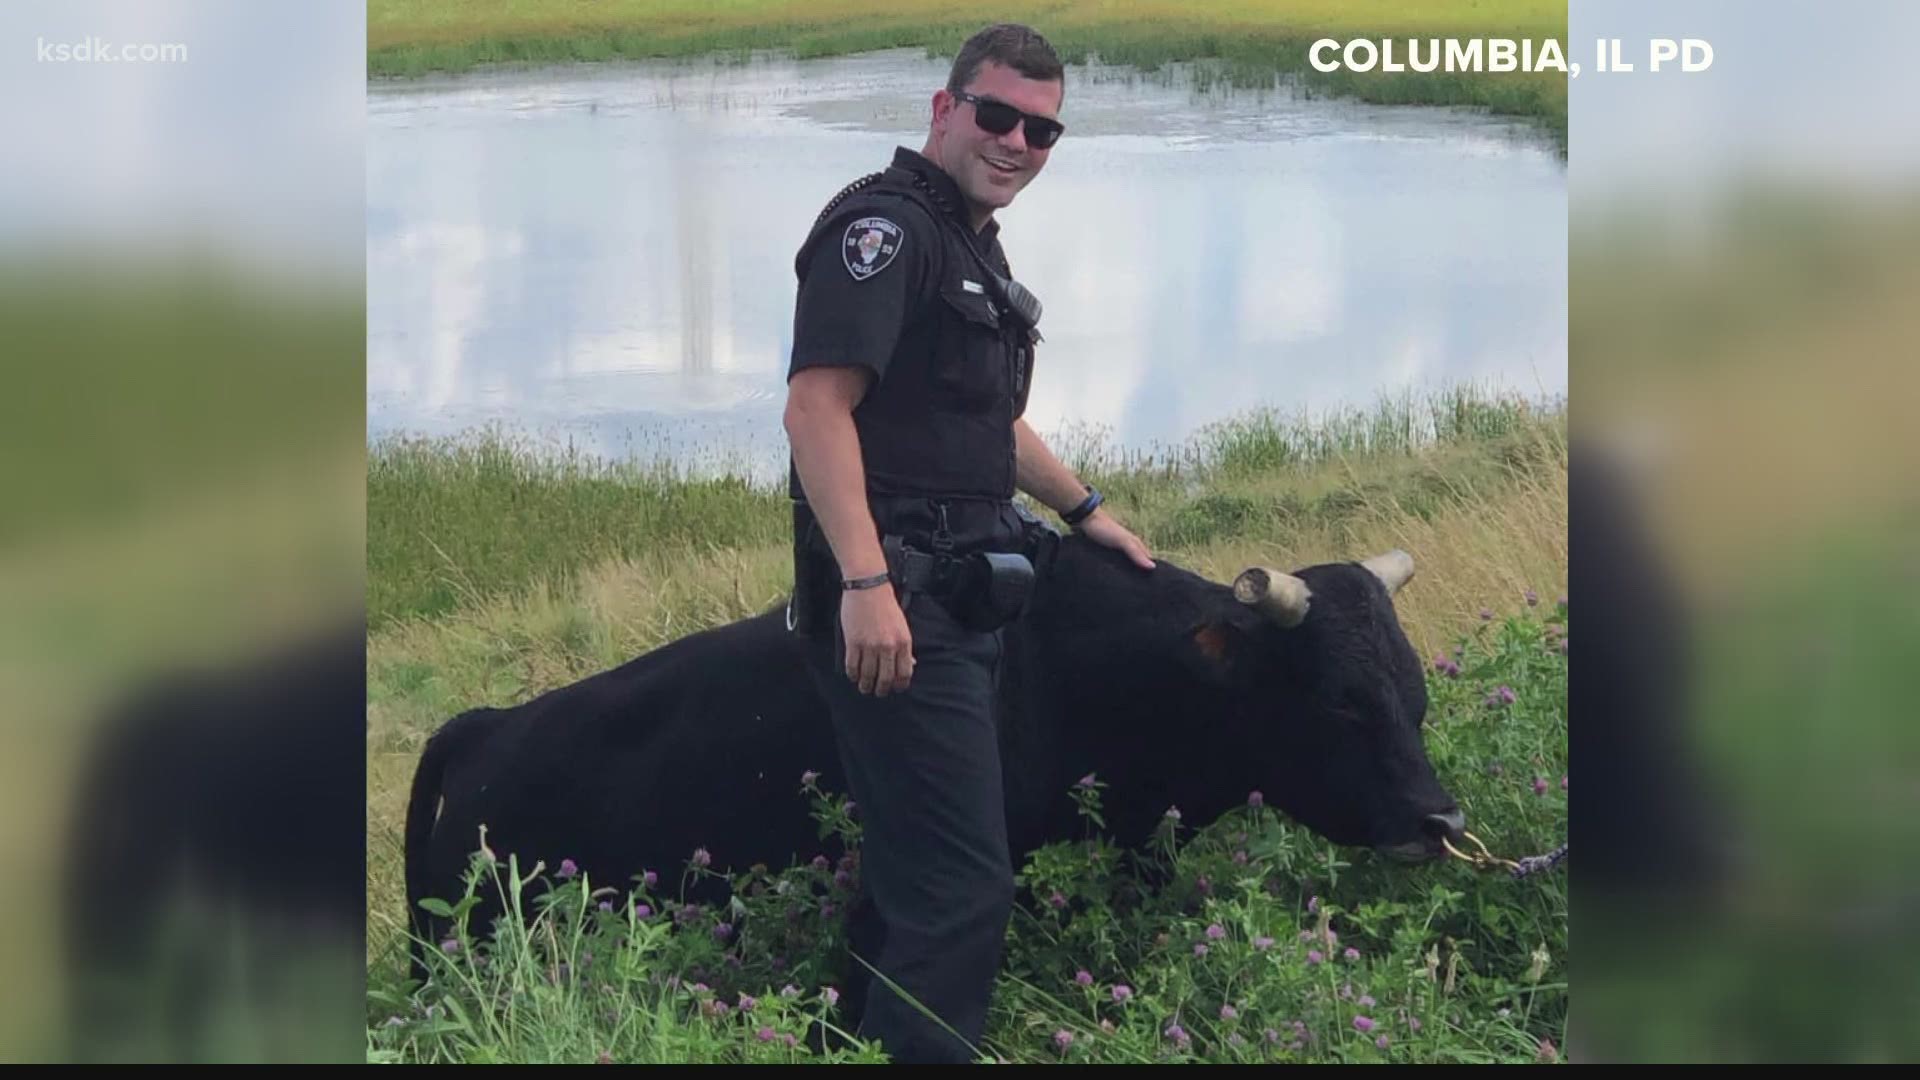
1228, 1012
1062, 1039
1363, 1023
1083, 977
1215, 932
701, 859
1256, 800
1121, 992
1263, 943
569, 868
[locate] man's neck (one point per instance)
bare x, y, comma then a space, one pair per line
977, 216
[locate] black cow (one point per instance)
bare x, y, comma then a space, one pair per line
1175, 690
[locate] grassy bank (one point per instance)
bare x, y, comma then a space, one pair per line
505, 573
1251, 43
456, 523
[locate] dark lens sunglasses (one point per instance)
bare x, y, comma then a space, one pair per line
998, 118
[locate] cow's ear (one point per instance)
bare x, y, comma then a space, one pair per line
1215, 646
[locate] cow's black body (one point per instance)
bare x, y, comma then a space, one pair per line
1160, 682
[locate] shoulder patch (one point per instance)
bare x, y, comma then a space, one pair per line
869, 245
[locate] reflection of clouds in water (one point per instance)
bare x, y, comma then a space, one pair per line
438, 270
1305, 255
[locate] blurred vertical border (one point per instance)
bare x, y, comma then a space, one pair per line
181, 533
1744, 261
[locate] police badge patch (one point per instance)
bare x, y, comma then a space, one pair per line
870, 244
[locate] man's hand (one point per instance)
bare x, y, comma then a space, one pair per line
1103, 529
879, 644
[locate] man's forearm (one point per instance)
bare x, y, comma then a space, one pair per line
1042, 475
826, 454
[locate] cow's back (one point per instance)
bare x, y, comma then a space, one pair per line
697, 744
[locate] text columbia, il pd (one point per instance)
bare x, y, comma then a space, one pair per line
1501, 54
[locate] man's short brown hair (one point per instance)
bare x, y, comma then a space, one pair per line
1010, 45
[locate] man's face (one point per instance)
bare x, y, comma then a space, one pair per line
991, 169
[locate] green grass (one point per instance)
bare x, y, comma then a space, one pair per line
1244, 43
456, 522
1268, 945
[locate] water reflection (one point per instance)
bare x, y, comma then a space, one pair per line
605, 255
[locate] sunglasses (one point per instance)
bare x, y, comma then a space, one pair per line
998, 118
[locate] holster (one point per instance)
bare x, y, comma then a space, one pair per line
993, 589
982, 591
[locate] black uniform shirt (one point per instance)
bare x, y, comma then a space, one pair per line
888, 283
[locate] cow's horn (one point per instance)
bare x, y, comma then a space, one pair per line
1280, 597
1393, 568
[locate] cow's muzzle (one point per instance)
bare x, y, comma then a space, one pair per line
1448, 826
1451, 825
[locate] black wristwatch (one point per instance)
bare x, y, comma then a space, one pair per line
1086, 508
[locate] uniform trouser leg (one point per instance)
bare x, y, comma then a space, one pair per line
937, 882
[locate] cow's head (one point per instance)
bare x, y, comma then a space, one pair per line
1330, 698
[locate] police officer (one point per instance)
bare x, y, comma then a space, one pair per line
912, 361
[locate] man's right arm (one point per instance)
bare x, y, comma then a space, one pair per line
826, 454
868, 273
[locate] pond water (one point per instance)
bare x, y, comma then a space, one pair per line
603, 254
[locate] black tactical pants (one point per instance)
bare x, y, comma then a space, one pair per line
936, 881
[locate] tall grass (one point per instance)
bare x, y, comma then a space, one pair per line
454, 523
1246, 44
1264, 945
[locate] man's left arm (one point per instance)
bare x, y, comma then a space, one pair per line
1040, 474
